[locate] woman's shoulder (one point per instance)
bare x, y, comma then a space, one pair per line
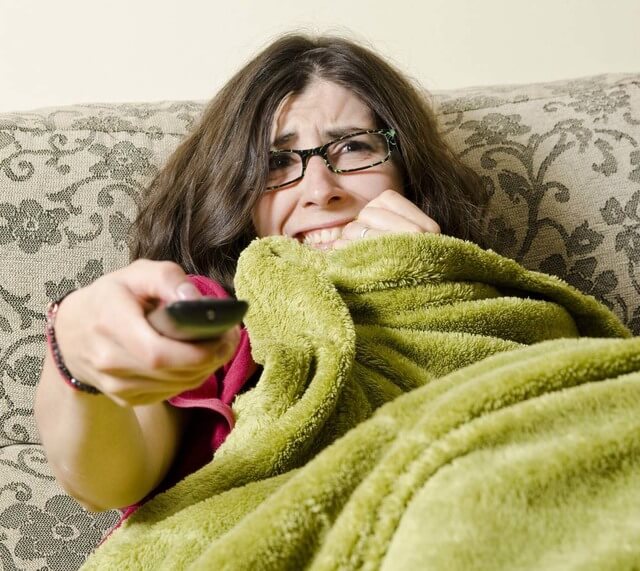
208, 286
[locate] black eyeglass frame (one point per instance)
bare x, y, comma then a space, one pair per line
306, 154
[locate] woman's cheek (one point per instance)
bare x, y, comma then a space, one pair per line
272, 213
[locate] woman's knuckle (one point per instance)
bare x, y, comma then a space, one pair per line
168, 269
160, 267
101, 327
139, 265
103, 359
154, 359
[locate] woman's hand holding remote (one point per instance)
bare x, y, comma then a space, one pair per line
107, 342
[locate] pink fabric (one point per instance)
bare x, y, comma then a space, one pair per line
219, 390
212, 417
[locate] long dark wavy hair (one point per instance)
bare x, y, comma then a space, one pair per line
197, 211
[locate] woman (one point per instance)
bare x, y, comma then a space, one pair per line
316, 139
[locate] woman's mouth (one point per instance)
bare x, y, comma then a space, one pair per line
323, 238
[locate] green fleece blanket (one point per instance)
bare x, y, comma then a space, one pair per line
424, 404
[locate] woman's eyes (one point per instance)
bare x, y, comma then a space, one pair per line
352, 147
280, 161
284, 160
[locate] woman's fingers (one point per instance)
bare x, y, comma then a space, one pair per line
389, 213
173, 361
394, 202
136, 345
379, 221
106, 340
147, 279
159, 368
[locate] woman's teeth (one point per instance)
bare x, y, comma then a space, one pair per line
324, 236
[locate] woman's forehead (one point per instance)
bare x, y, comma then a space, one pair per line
324, 106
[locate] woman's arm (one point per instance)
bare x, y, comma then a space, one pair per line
112, 449
103, 454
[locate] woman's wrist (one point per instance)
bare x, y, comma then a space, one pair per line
54, 348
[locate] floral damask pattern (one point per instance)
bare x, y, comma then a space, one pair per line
560, 162
627, 219
61, 533
122, 161
31, 225
494, 128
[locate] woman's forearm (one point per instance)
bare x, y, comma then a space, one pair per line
103, 454
112, 449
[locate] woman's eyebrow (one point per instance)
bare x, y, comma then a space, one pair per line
282, 139
329, 134
337, 132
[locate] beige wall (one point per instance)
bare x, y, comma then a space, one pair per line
68, 51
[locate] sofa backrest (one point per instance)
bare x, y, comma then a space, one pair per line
561, 161
70, 182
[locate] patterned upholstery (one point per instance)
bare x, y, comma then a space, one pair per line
561, 161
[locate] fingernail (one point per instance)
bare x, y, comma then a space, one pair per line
186, 290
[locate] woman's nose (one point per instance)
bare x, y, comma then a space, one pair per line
319, 184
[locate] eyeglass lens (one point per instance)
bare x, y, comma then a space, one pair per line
352, 153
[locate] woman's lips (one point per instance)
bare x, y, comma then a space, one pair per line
322, 237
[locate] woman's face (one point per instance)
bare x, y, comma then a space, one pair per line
316, 208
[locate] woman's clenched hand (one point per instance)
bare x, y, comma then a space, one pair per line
106, 341
388, 213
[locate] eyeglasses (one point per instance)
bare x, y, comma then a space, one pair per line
350, 153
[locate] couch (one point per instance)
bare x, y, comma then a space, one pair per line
560, 160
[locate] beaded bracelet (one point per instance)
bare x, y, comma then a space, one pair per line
52, 310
